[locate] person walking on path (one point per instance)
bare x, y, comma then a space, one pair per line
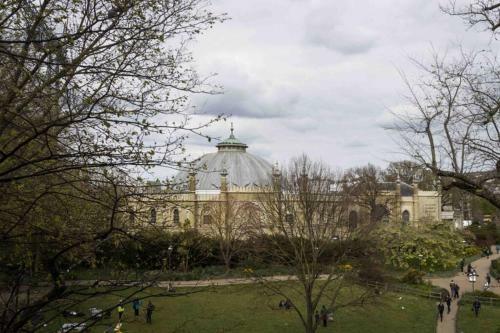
149, 312
486, 252
469, 269
462, 264
121, 310
440, 310
452, 288
476, 306
136, 305
448, 302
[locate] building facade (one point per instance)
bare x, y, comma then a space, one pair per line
234, 180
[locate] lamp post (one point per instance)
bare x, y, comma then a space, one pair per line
169, 251
472, 278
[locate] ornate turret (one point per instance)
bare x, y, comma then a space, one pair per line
276, 177
192, 180
223, 180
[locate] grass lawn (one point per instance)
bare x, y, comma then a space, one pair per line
248, 309
488, 320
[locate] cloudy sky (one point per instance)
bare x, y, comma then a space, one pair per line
319, 76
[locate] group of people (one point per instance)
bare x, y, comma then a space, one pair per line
454, 290
323, 316
446, 298
285, 304
136, 306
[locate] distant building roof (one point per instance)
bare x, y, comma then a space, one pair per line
243, 169
406, 189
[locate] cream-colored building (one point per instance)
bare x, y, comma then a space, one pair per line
232, 178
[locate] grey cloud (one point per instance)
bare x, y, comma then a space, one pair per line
251, 98
333, 27
344, 39
320, 77
356, 144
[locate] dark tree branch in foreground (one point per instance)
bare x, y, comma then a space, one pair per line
453, 125
92, 93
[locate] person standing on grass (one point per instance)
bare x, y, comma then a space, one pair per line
476, 306
462, 264
440, 310
121, 310
317, 317
136, 305
149, 312
448, 302
324, 315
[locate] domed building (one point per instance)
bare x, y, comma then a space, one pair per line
230, 183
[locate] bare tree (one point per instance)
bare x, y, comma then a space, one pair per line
452, 128
90, 90
410, 172
230, 223
367, 190
478, 12
305, 229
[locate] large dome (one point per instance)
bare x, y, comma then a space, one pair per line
243, 169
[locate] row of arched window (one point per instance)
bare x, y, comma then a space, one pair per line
153, 216
207, 218
353, 218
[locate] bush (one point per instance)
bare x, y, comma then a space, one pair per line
432, 247
371, 272
495, 268
413, 276
485, 234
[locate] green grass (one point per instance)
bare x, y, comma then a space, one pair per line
487, 322
248, 309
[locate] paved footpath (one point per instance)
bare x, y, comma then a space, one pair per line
482, 267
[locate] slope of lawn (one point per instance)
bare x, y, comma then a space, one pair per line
488, 320
248, 309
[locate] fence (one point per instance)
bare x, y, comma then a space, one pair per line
433, 294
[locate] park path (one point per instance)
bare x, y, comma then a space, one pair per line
482, 267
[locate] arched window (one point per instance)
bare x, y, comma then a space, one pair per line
353, 220
207, 219
152, 216
175, 216
406, 217
380, 213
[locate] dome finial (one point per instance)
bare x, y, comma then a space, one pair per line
231, 143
